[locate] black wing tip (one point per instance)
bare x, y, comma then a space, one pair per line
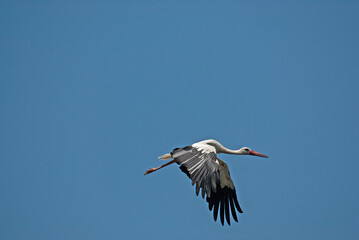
224, 202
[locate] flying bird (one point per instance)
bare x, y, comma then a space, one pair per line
210, 174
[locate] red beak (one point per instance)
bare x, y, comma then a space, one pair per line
257, 154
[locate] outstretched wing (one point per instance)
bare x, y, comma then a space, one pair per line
225, 197
200, 165
210, 174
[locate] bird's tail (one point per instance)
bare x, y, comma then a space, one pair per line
165, 157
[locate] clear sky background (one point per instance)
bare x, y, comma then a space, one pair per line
91, 92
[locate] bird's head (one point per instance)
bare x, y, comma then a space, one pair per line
248, 151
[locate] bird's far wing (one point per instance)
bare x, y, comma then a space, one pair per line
225, 196
212, 176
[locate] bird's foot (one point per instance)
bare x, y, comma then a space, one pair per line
150, 170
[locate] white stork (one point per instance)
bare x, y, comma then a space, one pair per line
201, 164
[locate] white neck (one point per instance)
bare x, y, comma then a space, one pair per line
229, 151
221, 149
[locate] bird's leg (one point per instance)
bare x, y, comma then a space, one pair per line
155, 169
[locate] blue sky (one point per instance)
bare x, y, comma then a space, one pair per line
91, 92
